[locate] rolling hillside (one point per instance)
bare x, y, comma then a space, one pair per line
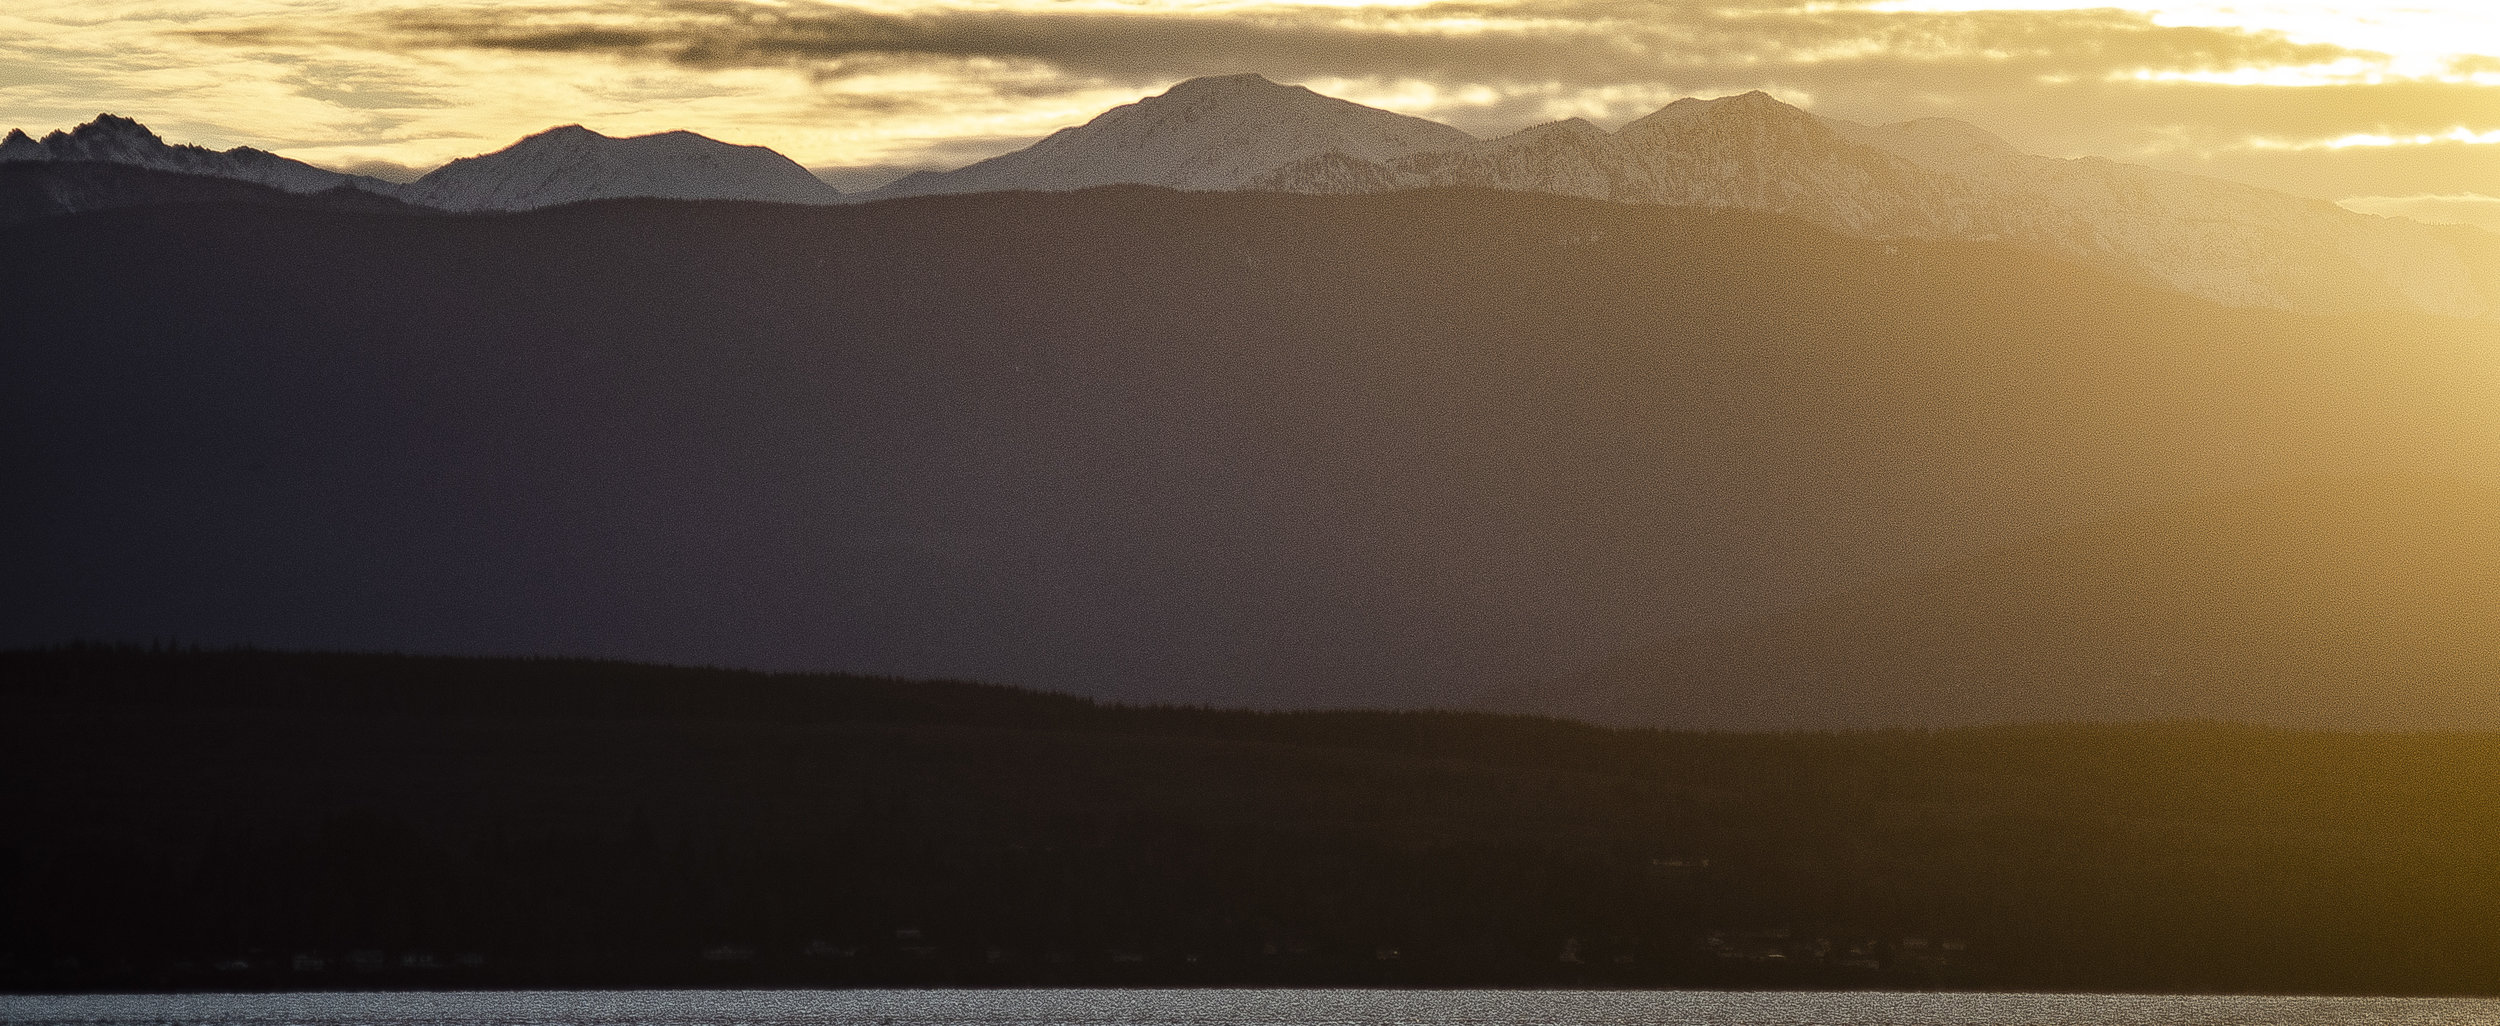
1224, 447
2348, 603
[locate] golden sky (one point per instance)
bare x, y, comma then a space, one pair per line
2373, 103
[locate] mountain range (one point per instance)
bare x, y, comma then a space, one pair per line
1224, 132
110, 139
1925, 179
1733, 417
570, 164
1932, 179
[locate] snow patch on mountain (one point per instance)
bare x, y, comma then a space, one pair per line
1942, 179
1748, 151
1212, 133
2208, 237
572, 164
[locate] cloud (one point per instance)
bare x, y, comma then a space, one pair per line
1587, 43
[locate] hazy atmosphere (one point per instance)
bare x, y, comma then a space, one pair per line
2385, 107
1249, 512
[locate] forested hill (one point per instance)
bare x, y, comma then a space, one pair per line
250, 819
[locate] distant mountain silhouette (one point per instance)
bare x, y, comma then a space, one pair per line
33, 190
572, 164
2343, 603
119, 140
1206, 133
1233, 447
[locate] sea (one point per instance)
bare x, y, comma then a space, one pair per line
1224, 1008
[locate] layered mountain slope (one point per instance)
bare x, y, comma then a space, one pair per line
1206, 133
33, 190
1230, 447
2341, 603
1945, 179
572, 164
2204, 236
119, 140
1748, 151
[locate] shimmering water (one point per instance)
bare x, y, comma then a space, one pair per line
1225, 1008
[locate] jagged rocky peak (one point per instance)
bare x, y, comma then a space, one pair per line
113, 139
18, 145
108, 128
110, 137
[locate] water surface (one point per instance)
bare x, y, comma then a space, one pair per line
1225, 1008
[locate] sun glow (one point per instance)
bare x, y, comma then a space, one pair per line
2430, 40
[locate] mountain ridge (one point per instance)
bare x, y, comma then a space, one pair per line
571, 164
1280, 448
2321, 603
1215, 132
114, 139
1928, 178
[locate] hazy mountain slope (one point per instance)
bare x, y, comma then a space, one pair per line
572, 164
1748, 151
1247, 447
2348, 603
1943, 179
30, 190
120, 140
1206, 133
2205, 236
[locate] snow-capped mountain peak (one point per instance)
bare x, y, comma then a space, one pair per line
1221, 132
570, 164
1747, 151
1756, 114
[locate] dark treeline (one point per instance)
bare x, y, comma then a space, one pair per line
35, 190
252, 819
